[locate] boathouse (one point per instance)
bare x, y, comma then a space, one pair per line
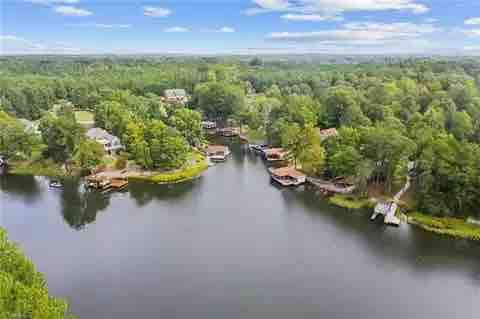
275, 154
287, 176
218, 152
229, 132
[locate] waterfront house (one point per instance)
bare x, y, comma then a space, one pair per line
275, 154
110, 143
287, 176
218, 153
326, 133
175, 96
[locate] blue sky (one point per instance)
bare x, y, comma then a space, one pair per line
240, 26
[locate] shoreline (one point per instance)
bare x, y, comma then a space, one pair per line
454, 228
446, 226
52, 170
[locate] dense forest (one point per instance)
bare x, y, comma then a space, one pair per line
411, 116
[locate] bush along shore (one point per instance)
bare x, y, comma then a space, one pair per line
351, 202
446, 226
453, 227
187, 173
46, 168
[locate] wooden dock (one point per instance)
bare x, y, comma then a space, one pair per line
103, 184
388, 209
118, 184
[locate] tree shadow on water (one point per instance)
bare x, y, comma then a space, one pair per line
26, 187
420, 251
80, 207
143, 193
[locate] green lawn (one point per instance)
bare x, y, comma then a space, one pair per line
350, 202
84, 117
196, 167
36, 168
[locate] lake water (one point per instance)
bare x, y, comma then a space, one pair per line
232, 245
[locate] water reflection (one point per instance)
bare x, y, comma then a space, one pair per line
28, 188
80, 207
145, 193
414, 248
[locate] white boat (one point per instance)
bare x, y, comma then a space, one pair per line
55, 184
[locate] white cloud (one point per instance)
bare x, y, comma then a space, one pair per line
72, 11
48, 2
472, 32
472, 48
473, 21
156, 12
334, 7
226, 30
101, 25
14, 45
364, 33
310, 17
176, 30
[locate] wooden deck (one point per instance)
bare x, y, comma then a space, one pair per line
330, 187
118, 184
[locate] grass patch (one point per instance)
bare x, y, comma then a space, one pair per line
37, 168
454, 227
187, 173
350, 202
84, 117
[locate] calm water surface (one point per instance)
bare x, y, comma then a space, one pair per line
231, 245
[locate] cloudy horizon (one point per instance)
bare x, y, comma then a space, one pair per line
375, 27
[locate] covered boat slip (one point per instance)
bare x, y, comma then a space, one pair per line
218, 153
275, 154
287, 176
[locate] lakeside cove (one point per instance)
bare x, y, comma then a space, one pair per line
230, 240
337, 192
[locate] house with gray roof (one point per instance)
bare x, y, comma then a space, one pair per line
110, 143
